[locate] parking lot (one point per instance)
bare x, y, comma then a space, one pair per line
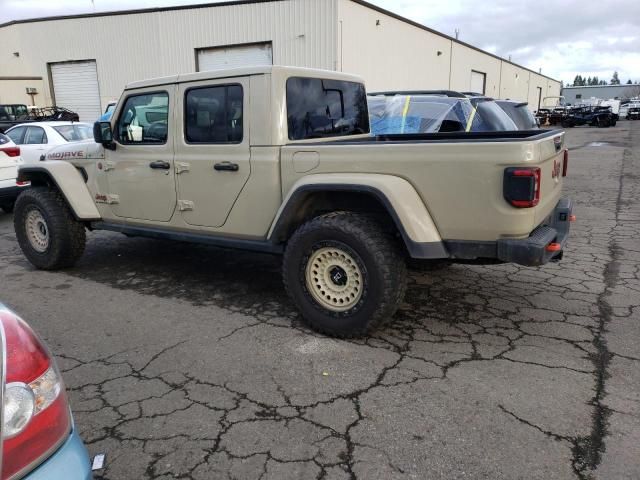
190, 362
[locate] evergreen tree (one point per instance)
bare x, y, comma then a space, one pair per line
576, 81
595, 81
615, 80
629, 82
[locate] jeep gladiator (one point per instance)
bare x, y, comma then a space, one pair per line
280, 160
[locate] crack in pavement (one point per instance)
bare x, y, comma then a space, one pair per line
215, 376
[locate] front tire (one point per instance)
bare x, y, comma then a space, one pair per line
345, 273
48, 234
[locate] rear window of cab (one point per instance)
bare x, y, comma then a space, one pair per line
319, 108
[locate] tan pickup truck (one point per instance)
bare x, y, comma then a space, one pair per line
280, 160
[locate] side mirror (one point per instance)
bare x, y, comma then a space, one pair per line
102, 134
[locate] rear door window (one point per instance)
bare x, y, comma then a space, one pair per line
74, 133
35, 136
318, 108
214, 115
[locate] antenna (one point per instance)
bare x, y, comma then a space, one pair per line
457, 33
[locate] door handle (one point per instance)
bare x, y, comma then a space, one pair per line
226, 167
160, 165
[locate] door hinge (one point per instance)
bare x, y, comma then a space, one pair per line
185, 205
182, 167
109, 166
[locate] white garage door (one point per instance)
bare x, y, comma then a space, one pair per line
75, 86
478, 82
232, 57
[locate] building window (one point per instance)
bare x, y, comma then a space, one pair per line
578, 96
214, 114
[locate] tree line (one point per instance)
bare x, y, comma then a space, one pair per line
581, 81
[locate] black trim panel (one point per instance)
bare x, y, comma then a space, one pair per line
423, 250
530, 251
10, 193
461, 137
25, 178
264, 246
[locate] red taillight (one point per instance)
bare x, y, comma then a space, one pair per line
11, 151
521, 186
565, 163
36, 417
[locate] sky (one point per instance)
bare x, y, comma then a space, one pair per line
563, 37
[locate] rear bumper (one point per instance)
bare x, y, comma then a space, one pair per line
533, 251
69, 462
9, 191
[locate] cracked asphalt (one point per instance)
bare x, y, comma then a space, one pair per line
190, 362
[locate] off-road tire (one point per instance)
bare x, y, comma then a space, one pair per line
8, 207
374, 250
66, 236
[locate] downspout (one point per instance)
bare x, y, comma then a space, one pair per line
450, 61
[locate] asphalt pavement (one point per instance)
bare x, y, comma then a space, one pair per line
190, 362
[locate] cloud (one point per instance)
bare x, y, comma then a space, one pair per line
563, 37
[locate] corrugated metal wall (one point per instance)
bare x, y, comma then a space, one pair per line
331, 34
391, 54
138, 46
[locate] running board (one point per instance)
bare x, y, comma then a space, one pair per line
218, 241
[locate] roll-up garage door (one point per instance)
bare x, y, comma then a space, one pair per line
233, 57
75, 86
478, 82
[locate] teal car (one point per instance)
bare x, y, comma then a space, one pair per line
39, 441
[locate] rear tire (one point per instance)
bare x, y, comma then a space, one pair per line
345, 273
48, 234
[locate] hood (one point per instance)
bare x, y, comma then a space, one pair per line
87, 150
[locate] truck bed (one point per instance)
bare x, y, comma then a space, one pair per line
447, 137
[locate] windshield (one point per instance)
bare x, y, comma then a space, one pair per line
75, 133
400, 114
319, 108
13, 112
110, 108
418, 114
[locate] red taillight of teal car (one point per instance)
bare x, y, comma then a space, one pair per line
36, 418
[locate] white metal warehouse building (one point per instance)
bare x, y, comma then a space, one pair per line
82, 62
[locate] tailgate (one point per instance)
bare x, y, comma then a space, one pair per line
551, 162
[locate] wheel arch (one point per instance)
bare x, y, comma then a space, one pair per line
70, 182
392, 197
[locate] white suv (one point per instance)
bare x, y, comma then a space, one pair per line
9, 161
